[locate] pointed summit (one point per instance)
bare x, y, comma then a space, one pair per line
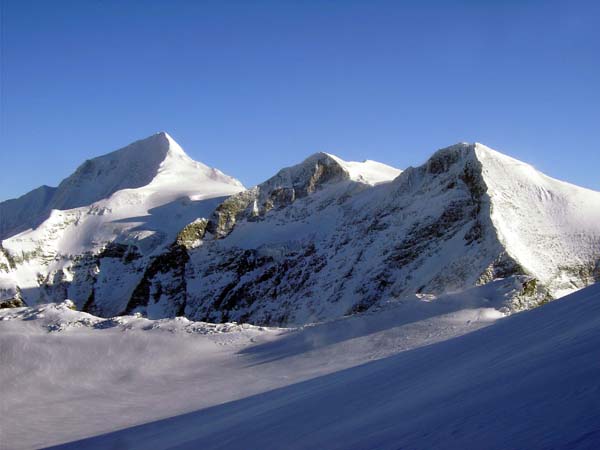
173, 148
368, 171
319, 171
157, 161
130, 167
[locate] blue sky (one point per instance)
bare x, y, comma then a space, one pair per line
252, 86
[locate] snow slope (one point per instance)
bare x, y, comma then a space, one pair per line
527, 381
312, 243
136, 201
549, 226
83, 375
530, 381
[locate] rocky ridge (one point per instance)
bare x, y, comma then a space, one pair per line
319, 240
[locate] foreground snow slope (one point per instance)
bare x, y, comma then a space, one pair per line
68, 375
528, 381
130, 203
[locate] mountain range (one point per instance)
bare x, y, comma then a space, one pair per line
145, 229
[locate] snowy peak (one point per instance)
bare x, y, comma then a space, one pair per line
552, 228
279, 191
331, 168
314, 171
466, 217
91, 238
130, 167
179, 166
320, 239
157, 161
547, 228
317, 172
368, 171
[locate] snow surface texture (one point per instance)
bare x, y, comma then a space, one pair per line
312, 243
526, 381
136, 201
74, 375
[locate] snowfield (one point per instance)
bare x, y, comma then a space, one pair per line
424, 375
74, 375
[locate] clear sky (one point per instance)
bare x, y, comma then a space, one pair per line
252, 86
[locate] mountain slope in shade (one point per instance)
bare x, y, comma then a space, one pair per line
27, 211
136, 200
147, 369
527, 381
313, 243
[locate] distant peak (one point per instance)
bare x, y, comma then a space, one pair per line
166, 137
367, 171
320, 157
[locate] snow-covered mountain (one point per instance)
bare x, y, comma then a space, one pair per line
318, 240
98, 228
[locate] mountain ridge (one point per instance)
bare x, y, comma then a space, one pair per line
271, 256
325, 238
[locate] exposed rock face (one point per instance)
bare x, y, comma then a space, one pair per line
278, 192
7, 262
166, 296
192, 234
14, 302
227, 213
